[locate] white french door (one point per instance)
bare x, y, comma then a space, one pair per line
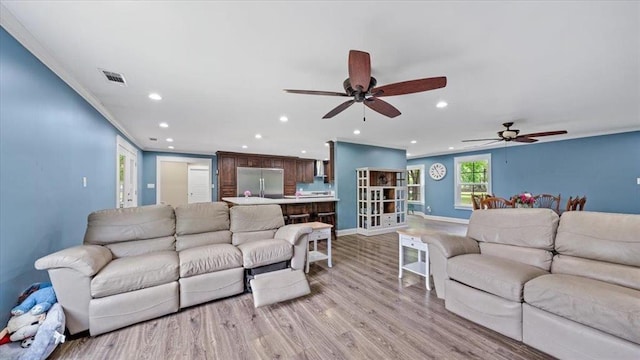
126, 174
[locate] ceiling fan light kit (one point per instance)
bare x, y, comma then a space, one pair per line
361, 86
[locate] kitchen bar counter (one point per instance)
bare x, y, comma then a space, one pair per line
304, 205
254, 200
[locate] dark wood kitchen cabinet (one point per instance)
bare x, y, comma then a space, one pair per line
228, 162
226, 176
304, 170
289, 166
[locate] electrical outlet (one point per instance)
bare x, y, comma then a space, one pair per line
638, 180
84, 181
429, 209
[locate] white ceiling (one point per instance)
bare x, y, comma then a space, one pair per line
221, 68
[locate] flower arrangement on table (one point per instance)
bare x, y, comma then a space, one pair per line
298, 194
524, 200
247, 193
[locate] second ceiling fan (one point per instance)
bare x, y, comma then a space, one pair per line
362, 87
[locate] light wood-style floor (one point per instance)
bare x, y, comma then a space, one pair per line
358, 309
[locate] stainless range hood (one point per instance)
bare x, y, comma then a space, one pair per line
319, 171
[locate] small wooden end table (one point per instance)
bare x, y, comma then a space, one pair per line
411, 238
320, 231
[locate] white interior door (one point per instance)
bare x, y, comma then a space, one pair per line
126, 174
199, 188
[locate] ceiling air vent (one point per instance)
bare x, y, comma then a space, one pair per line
114, 77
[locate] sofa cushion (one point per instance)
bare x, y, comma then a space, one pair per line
265, 252
609, 308
255, 218
209, 238
535, 228
526, 255
242, 237
201, 218
125, 224
600, 236
135, 272
209, 258
623, 275
139, 247
497, 276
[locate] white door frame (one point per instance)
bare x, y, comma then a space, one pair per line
198, 161
123, 147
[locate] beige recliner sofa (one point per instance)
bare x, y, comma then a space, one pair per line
574, 295
140, 263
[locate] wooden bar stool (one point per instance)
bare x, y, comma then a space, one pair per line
298, 218
329, 218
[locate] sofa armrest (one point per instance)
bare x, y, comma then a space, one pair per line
451, 245
293, 233
86, 259
442, 247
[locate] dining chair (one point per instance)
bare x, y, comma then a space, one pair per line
476, 200
547, 201
581, 202
576, 204
495, 203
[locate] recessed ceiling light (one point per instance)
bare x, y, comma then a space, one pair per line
155, 96
451, 148
170, 147
304, 151
169, 140
357, 132
414, 141
326, 144
408, 154
244, 146
163, 125
441, 104
326, 159
284, 118
258, 136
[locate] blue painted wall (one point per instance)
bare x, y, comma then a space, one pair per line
149, 173
50, 138
348, 157
604, 168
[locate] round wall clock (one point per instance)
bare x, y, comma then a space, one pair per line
437, 171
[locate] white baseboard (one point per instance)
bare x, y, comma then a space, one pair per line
345, 232
441, 218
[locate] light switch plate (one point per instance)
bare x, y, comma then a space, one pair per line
638, 180
151, 186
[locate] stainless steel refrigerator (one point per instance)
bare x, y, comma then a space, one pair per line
268, 183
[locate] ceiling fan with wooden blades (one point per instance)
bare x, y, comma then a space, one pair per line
361, 86
514, 135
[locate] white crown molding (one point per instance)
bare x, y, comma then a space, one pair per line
13, 26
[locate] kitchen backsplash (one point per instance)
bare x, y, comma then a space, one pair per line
317, 185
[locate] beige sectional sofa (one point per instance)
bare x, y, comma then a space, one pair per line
569, 285
140, 263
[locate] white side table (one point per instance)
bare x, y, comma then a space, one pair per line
409, 238
320, 231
